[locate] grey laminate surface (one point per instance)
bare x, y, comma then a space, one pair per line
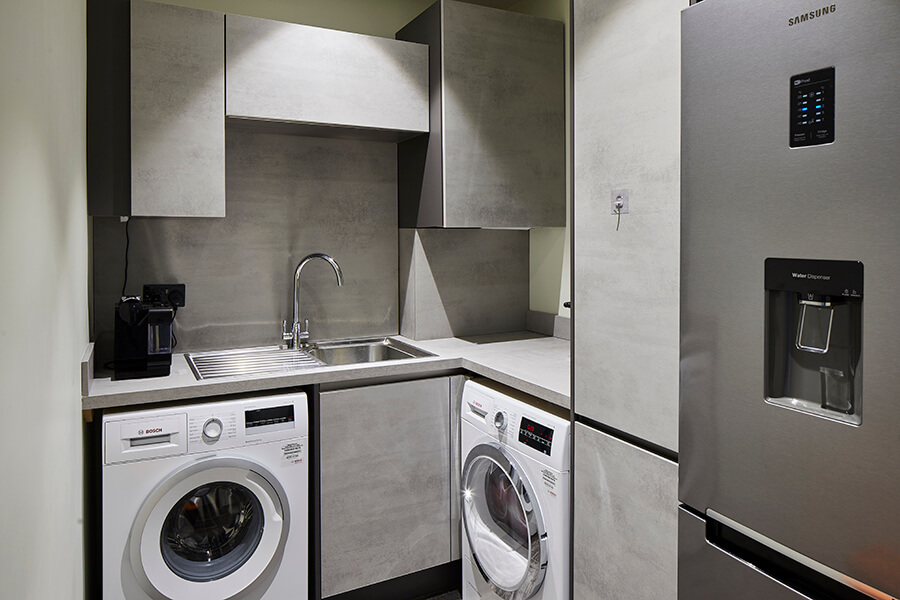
288, 196
385, 493
627, 98
460, 282
177, 111
501, 94
625, 521
532, 364
289, 72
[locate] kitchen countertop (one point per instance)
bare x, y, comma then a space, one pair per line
529, 362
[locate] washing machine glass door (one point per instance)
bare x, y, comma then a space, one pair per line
503, 523
216, 528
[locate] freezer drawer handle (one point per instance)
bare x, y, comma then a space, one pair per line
804, 576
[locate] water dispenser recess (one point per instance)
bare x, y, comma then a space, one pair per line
813, 337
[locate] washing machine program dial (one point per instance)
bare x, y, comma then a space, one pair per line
500, 420
212, 429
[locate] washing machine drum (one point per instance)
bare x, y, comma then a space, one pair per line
215, 529
503, 524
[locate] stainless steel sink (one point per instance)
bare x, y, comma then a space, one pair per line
277, 359
351, 352
249, 361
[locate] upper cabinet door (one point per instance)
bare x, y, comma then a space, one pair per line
156, 110
496, 156
177, 111
313, 77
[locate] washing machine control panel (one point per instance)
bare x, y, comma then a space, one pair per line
208, 429
220, 426
500, 420
212, 429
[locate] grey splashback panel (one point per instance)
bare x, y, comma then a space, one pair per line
287, 196
460, 282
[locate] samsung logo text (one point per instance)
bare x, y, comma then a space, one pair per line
813, 14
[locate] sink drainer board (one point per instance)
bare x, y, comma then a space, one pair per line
248, 361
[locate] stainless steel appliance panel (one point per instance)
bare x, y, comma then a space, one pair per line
826, 489
705, 571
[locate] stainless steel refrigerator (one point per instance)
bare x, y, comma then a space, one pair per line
789, 458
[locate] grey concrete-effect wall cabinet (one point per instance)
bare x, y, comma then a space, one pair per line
292, 78
495, 156
625, 521
385, 490
156, 115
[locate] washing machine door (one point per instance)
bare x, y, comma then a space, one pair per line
214, 529
503, 523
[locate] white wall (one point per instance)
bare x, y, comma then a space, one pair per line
43, 270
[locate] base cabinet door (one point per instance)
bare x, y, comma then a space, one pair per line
385, 482
626, 520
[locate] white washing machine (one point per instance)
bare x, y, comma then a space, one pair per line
515, 498
207, 501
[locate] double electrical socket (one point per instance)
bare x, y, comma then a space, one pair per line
164, 293
619, 202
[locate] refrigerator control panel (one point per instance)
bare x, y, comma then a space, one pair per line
812, 108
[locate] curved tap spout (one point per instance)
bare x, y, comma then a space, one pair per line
300, 335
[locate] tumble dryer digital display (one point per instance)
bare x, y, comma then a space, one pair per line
535, 435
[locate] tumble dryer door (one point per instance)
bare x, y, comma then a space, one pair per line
503, 523
214, 529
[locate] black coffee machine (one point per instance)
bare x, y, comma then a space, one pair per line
144, 331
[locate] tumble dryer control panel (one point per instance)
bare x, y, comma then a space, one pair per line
512, 422
535, 435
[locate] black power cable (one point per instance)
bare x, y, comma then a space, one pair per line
127, 244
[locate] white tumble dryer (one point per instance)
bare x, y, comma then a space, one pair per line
207, 501
515, 498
